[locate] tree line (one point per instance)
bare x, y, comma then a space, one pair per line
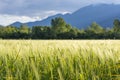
59, 29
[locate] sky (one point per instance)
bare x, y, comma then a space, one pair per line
32, 10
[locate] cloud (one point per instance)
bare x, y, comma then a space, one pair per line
8, 19
33, 7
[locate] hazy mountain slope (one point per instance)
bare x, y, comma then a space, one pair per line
103, 14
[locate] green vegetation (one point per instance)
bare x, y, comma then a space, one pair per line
59, 60
59, 29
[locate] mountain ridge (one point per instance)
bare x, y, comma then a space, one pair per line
103, 14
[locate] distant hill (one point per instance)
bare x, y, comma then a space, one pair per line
1, 26
103, 14
17, 24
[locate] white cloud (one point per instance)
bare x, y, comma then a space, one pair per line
53, 12
8, 19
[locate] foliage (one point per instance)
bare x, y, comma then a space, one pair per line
40, 32
59, 29
116, 25
58, 25
95, 28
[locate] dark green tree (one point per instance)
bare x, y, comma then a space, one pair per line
116, 29
59, 25
41, 32
8, 32
94, 31
24, 32
116, 26
24, 29
96, 28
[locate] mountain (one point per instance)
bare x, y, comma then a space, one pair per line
1, 26
17, 24
103, 14
44, 22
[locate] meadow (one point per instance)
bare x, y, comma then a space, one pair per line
59, 60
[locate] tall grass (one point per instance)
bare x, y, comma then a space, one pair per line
59, 60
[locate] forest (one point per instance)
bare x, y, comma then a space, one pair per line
59, 29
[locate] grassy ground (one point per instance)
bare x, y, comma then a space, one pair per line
59, 60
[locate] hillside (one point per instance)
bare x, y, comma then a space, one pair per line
103, 14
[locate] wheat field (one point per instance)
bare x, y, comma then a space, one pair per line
59, 60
